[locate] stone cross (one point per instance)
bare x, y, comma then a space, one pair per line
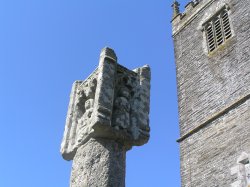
108, 113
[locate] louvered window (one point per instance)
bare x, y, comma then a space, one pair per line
218, 30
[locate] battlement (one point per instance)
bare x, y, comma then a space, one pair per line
192, 9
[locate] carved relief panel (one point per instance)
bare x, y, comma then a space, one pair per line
113, 102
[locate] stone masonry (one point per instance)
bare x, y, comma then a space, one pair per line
108, 114
213, 96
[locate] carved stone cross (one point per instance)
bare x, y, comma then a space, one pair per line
108, 114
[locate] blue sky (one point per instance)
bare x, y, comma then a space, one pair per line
45, 45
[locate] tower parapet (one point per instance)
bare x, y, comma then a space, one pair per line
192, 9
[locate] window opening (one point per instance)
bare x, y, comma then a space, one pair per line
218, 30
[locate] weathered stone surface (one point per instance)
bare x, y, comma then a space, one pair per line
99, 162
211, 82
108, 114
208, 156
213, 89
113, 102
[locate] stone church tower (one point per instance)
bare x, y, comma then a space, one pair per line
212, 54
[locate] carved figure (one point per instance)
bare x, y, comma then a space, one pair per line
90, 89
84, 120
87, 95
122, 109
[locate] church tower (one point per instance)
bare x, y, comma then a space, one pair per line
212, 55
